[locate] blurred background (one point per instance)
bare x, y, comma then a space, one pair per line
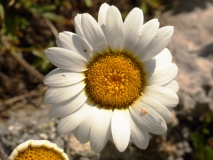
28, 28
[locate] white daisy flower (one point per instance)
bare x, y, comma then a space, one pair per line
38, 150
114, 79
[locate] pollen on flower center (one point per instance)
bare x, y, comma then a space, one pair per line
41, 153
114, 80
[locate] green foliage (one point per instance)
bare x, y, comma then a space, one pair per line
203, 141
1, 13
88, 3
17, 14
149, 5
41, 62
15, 17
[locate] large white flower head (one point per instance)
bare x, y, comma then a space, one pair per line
114, 79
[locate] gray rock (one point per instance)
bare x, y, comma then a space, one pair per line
192, 49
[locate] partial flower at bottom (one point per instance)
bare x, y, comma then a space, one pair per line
38, 150
115, 79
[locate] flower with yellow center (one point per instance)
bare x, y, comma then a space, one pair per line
114, 79
38, 150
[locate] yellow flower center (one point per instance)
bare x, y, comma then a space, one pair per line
114, 80
39, 153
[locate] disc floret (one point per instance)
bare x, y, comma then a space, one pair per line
114, 80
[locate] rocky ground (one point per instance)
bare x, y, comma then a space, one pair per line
192, 49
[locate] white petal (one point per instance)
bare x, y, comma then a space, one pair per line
58, 43
114, 29
93, 33
163, 74
75, 43
149, 67
71, 122
163, 95
159, 108
75, 132
100, 130
47, 144
24, 146
163, 57
148, 32
102, 15
83, 131
65, 108
132, 28
174, 86
35, 143
13, 155
147, 118
138, 136
159, 42
77, 23
59, 78
66, 59
58, 95
120, 127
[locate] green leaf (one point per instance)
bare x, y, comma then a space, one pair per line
52, 17
2, 12
88, 3
153, 3
46, 8
144, 6
208, 153
40, 9
197, 140
206, 131
38, 53
21, 22
45, 65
